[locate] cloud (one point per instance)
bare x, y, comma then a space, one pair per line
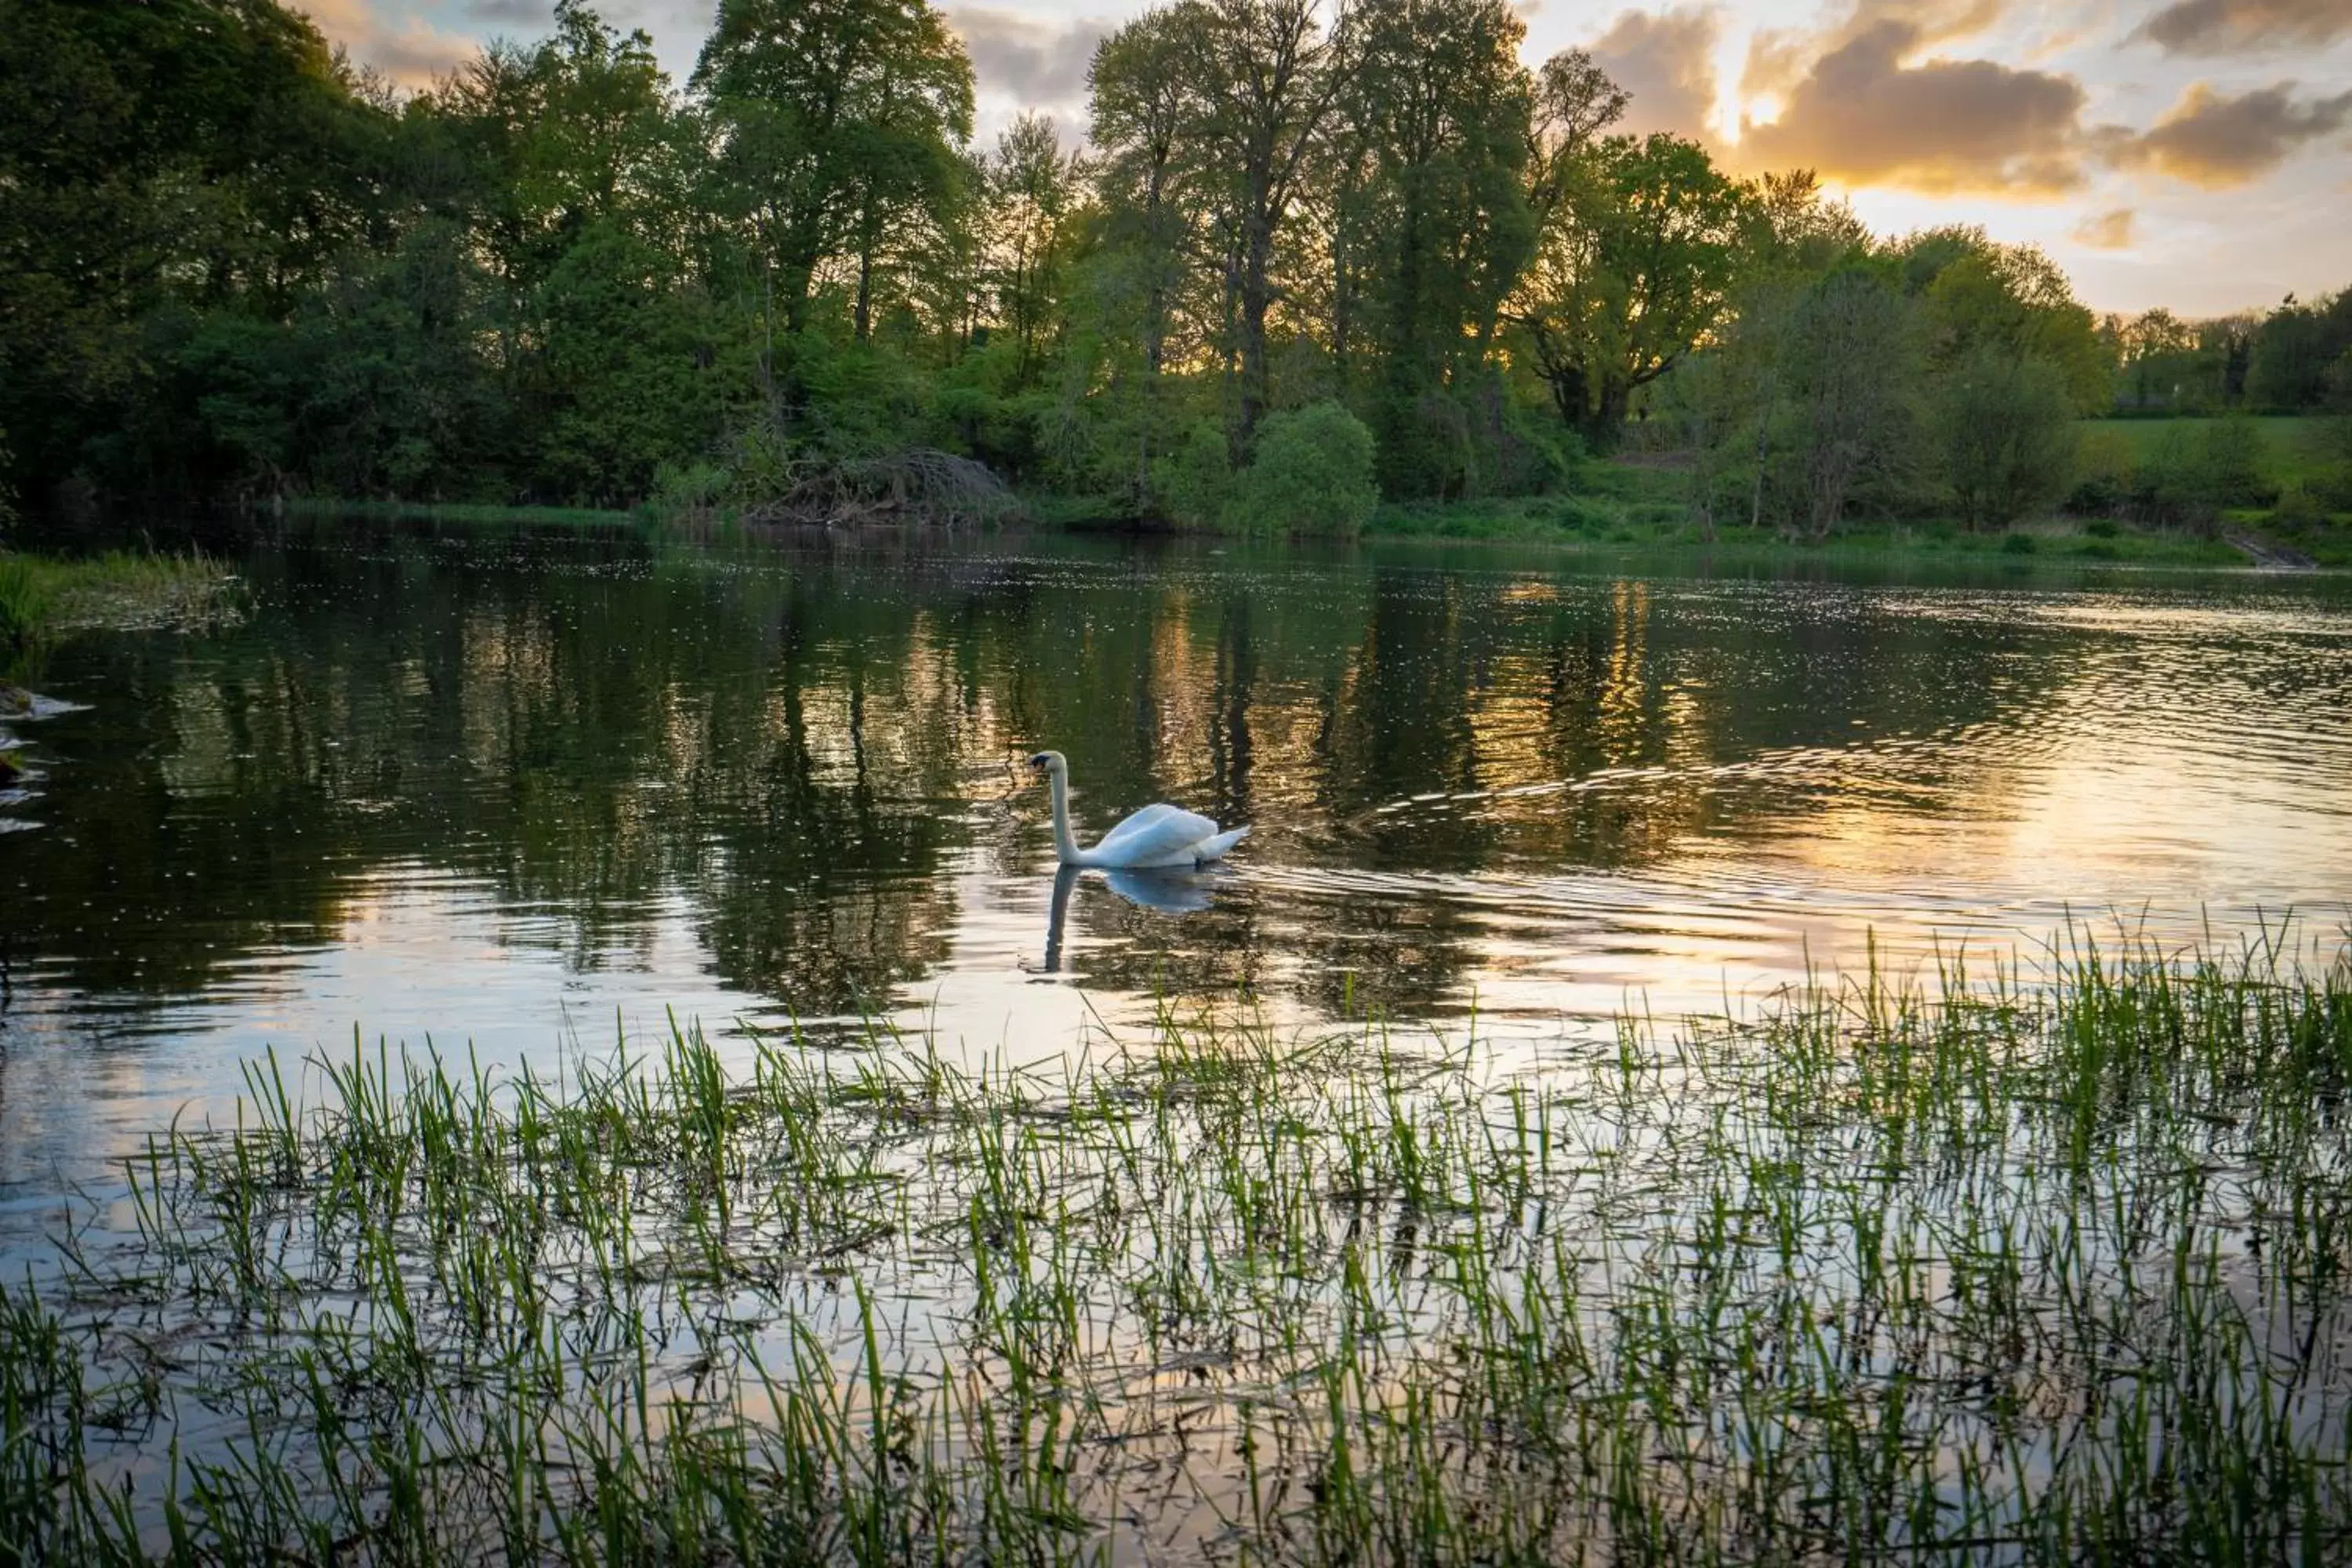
411, 52
1036, 64
2218, 141
1778, 58
1667, 60
1861, 116
2113, 230
537, 13
2227, 26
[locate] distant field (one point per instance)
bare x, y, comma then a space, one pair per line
2296, 441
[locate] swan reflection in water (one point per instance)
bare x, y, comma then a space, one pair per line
1163, 892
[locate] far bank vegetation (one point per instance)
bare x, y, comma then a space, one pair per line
1290, 270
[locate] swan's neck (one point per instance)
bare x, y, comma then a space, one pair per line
1064, 845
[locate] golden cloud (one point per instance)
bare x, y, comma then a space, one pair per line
2218, 141
1667, 60
2113, 230
1861, 116
412, 54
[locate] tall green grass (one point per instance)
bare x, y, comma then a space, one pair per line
2039, 1265
43, 597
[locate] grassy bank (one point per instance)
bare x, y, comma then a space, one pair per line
1606, 524
44, 597
2045, 1267
467, 514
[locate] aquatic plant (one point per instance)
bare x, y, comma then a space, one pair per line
2040, 1263
42, 597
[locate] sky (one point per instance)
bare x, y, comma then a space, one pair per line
2189, 154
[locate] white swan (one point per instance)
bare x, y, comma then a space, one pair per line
1158, 836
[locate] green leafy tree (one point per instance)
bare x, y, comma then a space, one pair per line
1851, 366
2007, 429
1440, 107
1638, 248
2012, 298
183, 154
1264, 75
2294, 350
1032, 195
838, 125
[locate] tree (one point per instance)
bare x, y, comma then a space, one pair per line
2012, 297
2293, 351
1632, 269
2008, 433
1851, 367
1438, 103
179, 155
1151, 221
838, 124
1032, 195
1266, 74
2155, 361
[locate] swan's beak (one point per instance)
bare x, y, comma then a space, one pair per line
1037, 764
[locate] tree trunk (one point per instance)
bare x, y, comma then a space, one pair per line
1256, 296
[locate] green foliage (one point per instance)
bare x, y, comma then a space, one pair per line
238, 270
839, 124
1639, 245
2007, 432
1196, 480
1312, 473
1850, 362
2298, 354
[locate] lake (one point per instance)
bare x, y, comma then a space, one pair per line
509, 795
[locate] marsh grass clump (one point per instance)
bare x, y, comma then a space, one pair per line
2037, 1264
42, 597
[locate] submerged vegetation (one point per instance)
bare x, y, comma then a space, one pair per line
2037, 1264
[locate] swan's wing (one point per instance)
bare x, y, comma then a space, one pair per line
1137, 823
1155, 834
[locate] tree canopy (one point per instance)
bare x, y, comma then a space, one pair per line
234, 267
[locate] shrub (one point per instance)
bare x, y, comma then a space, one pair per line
1195, 480
2229, 463
2007, 434
1312, 473
2331, 487
2299, 508
1585, 514
2107, 474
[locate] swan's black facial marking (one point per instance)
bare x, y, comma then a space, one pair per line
1038, 760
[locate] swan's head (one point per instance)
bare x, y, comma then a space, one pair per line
1046, 763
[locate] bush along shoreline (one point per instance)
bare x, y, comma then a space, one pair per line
2041, 1262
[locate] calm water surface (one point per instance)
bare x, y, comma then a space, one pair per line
511, 796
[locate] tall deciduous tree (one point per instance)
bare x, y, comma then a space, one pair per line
838, 125
1852, 357
1267, 73
1438, 106
1032, 193
1641, 242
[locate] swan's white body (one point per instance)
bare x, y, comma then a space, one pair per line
1156, 837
